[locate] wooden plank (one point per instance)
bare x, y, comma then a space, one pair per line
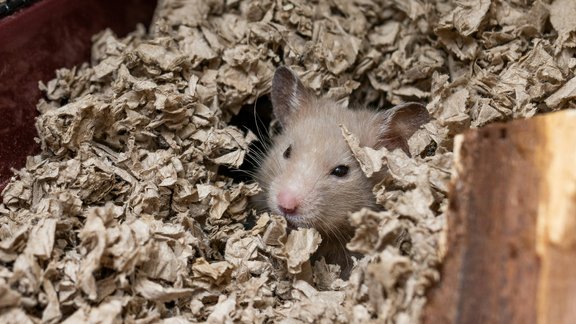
511, 240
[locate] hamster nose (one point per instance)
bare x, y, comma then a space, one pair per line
287, 202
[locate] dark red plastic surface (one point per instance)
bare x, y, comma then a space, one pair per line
37, 40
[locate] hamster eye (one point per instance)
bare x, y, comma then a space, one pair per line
340, 171
287, 152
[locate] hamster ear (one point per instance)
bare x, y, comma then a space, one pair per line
399, 123
288, 94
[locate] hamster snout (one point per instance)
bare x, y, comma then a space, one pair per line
288, 202
309, 174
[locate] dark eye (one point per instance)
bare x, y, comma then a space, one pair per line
287, 152
340, 171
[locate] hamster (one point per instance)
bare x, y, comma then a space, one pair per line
309, 175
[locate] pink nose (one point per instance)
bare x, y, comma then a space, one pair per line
287, 202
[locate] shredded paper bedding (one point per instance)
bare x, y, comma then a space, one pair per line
125, 217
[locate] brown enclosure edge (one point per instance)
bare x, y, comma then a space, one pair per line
498, 267
36, 41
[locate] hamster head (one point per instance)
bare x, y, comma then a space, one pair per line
309, 174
